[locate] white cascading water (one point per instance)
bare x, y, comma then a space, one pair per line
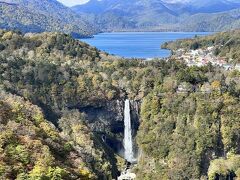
128, 143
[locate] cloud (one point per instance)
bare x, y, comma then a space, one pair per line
73, 2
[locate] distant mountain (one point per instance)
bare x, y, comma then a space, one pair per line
125, 14
44, 15
161, 15
203, 6
228, 20
177, 6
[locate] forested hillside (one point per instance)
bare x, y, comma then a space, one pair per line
226, 44
190, 135
165, 15
32, 148
189, 119
40, 16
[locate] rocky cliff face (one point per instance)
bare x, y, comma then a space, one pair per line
107, 119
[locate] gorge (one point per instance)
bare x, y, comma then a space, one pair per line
117, 122
62, 105
120, 90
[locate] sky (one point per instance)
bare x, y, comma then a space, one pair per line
76, 2
72, 2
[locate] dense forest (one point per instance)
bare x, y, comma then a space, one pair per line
40, 16
227, 44
32, 147
189, 116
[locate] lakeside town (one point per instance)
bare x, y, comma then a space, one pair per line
201, 57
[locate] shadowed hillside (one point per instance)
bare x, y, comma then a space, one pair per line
39, 16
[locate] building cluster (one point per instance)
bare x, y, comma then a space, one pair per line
202, 57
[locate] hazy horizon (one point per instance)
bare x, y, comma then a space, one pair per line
72, 2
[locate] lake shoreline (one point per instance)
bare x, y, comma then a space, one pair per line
142, 45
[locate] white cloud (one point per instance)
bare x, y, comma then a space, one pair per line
73, 2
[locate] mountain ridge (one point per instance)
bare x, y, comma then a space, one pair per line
160, 15
39, 16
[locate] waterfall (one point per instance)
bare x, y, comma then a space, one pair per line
128, 143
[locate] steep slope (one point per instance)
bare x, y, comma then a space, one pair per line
68, 149
33, 148
188, 135
39, 16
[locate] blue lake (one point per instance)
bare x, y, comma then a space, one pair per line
138, 44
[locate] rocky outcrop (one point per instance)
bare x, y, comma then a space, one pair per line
107, 119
